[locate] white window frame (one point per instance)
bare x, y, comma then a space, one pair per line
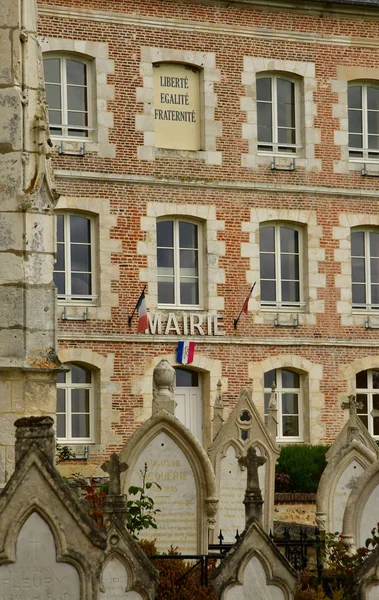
369, 392
278, 303
296, 147
68, 298
365, 149
279, 391
367, 306
176, 304
89, 129
68, 386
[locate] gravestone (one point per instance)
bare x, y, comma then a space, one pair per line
351, 454
178, 463
116, 582
243, 429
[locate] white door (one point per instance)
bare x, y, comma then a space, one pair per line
189, 409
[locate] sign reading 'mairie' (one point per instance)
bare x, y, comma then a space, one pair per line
176, 107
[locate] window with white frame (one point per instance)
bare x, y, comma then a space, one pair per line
280, 268
363, 112
75, 405
365, 269
74, 267
68, 94
367, 392
289, 402
277, 114
178, 262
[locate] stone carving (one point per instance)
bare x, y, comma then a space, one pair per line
218, 412
272, 417
352, 405
164, 387
114, 467
253, 496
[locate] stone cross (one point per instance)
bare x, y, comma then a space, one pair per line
114, 467
253, 496
353, 406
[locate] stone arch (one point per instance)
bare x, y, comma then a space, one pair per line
313, 398
166, 425
123, 583
347, 372
359, 517
210, 369
263, 577
332, 492
104, 390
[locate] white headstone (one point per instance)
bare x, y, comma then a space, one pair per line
255, 585
115, 582
369, 517
342, 492
232, 493
373, 593
36, 573
177, 498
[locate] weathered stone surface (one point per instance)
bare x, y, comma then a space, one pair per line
10, 118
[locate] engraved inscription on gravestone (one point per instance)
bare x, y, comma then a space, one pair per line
115, 582
177, 498
36, 574
176, 107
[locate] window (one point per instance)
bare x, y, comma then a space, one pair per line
68, 97
289, 399
367, 390
73, 270
189, 403
365, 269
279, 247
363, 105
75, 405
276, 114
178, 260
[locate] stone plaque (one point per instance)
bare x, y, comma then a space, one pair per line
232, 492
36, 574
342, 492
176, 106
115, 582
255, 585
177, 498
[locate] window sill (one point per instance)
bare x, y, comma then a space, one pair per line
300, 308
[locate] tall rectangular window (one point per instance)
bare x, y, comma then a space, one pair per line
276, 115
75, 405
289, 401
363, 105
365, 269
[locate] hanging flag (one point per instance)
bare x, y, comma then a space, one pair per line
245, 308
142, 313
185, 353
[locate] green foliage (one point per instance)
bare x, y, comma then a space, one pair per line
141, 512
304, 464
64, 453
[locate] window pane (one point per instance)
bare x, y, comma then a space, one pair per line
79, 401
357, 243
358, 270
374, 244
356, 141
55, 118
187, 235
290, 426
373, 123
290, 291
78, 118
355, 121
269, 378
267, 239
165, 259
264, 122
375, 429
61, 426
375, 380
76, 72
60, 265
374, 266
286, 136
289, 240
290, 404
188, 260
77, 98
267, 266
80, 258
362, 398
364, 420
354, 96
286, 103
81, 284
80, 229
372, 98
268, 291
61, 400
290, 379
53, 97
80, 426
267, 402
166, 292
189, 292
61, 377
51, 67
375, 401
375, 294
359, 294
59, 282
186, 378
165, 234
80, 374
60, 228
264, 89
289, 266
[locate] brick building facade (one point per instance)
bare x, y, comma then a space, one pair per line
268, 175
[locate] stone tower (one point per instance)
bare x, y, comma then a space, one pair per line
28, 360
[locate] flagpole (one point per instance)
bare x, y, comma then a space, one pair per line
241, 311
135, 308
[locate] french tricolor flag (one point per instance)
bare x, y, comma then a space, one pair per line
185, 353
142, 314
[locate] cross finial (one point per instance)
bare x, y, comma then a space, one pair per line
353, 407
253, 496
114, 467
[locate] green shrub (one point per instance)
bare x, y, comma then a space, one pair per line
304, 464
